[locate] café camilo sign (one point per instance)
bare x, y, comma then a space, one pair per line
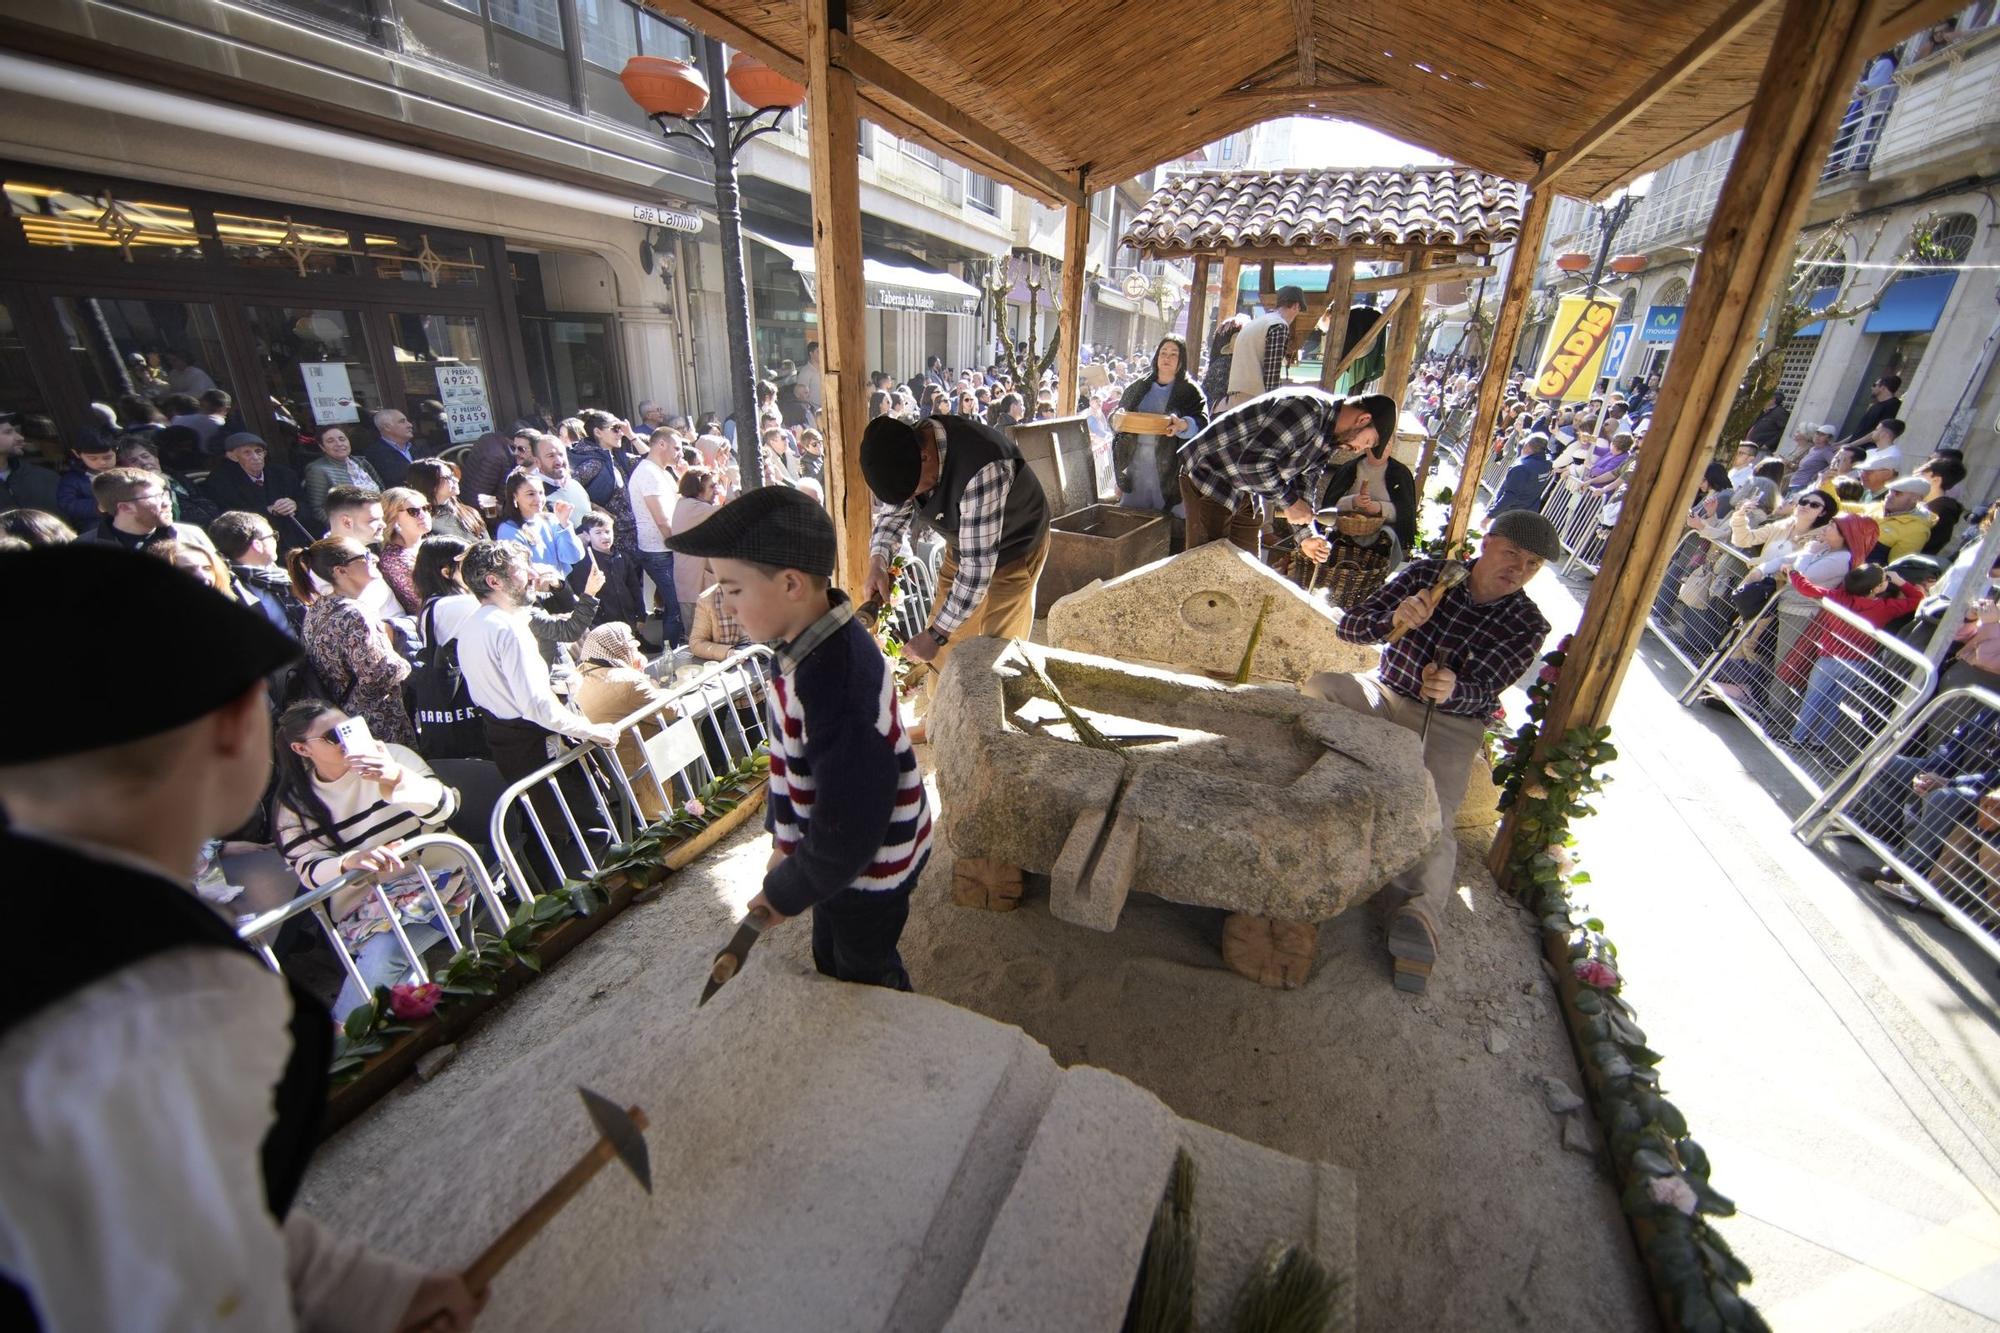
1582, 328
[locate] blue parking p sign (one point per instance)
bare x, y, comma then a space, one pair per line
1614, 352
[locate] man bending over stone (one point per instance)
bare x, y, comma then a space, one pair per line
1459, 655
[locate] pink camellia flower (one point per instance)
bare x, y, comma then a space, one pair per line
410, 1003
1673, 1191
1593, 973
696, 808
1549, 675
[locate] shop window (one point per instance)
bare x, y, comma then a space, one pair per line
102, 223
315, 368
19, 390
610, 37
152, 349
444, 388
283, 243
570, 365
441, 262
657, 37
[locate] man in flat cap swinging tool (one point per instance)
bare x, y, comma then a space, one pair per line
163, 1087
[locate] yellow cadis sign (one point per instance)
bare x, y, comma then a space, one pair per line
1582, 329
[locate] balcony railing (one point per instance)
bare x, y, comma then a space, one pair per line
1860, 132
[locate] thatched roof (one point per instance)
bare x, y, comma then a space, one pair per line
1218, 211
1035, 91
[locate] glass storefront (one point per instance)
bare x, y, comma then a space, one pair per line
571, 364
156, 350
316, 367
441, 379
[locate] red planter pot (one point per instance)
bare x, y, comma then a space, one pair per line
760, 85
665, 87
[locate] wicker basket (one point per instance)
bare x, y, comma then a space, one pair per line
1358, 527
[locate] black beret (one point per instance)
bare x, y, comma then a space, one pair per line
891, 460
772, 525
109, 616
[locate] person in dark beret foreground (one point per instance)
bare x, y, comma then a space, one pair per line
162, 1087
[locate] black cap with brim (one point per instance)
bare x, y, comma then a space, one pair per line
1381, 410
772, 525
111, 616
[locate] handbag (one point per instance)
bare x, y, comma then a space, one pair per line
1752, 595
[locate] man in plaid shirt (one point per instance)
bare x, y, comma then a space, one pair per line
1274, 449
1456, 656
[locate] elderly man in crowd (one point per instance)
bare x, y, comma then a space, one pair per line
1456, 655
1904, 523
394, 447
1877, 470
246, 479
1275, 449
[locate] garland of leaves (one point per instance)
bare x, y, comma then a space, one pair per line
1666, 1173
475, 971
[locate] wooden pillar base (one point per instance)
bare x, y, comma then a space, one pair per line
989, 886
1270, 952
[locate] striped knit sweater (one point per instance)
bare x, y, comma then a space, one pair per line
362, 819
847, 803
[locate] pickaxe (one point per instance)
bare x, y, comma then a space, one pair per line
621, 1134
1450, 576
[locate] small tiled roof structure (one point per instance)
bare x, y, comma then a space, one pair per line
1296, 212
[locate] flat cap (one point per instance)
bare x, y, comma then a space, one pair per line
1529, 531
107, 613
892, 460
772, 525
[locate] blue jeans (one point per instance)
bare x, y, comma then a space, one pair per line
659, 567
382, 962
1885, 810
1833, 678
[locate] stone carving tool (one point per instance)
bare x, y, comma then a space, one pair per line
621, 1134
730, 961
1449, 576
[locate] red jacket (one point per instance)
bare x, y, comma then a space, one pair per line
1830, 636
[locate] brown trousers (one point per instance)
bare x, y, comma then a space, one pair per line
1208, 521
1008, 610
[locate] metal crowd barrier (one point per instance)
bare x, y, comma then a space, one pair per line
587, 792
260, 931
1926, 799
1692, 613
919, 595
1574, 515
1819, 716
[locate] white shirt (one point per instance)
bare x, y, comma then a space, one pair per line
808, 384
507, 674
649, 478
132, 1183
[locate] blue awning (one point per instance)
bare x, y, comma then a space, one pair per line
1821, 298
1911, 305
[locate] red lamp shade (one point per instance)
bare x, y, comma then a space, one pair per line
760, 86
1627, 263
664, 87
1573, 262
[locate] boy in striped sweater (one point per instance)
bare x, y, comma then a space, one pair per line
849, 821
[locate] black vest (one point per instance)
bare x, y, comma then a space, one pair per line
126, 917
968, 447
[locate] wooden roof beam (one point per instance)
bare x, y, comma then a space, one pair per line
1424, 277
1727, 28
1302, 29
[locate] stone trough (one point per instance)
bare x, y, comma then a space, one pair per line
1256, 800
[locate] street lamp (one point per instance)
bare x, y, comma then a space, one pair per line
675, 97
1611, 215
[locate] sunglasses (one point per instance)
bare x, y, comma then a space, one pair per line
1812, 504
368, 556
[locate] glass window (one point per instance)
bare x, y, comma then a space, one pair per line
441, 30
281, 243
19, 389
91, 223
445, 389
315, 368
441, 261
570, 365
347, 15
609, 36
151, 350
539, 19
982, 193
917, 152
657, 37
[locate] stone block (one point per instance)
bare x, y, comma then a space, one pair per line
1260, 800
1194, 613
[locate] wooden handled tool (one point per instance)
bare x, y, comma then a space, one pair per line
1448, 578
621, 1134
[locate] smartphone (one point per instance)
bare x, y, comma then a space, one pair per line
352, 735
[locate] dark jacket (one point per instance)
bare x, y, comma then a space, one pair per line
1876, 414
1402, 493
970, 447
1524, 484
271, 582
29, 485
389, 465
484, 468
1769, 428
73, 498
1221, 349
621, 597
1184, 399
229, 488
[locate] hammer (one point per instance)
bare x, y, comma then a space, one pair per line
1449, 576
621, 1134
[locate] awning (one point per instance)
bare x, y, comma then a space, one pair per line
890, 285
1821, 298
1911, 305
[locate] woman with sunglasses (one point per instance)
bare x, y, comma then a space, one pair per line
349, 649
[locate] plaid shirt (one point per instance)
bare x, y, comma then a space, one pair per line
1488, 646
1277, 351
1276, 445
980, 513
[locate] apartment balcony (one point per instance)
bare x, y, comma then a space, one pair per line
1936, 118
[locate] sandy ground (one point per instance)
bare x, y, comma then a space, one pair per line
1474, 1215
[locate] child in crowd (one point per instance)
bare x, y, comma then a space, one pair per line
620, 598
846, 810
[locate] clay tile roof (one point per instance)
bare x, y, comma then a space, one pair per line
1326, 209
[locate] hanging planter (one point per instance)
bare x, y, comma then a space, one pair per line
1627, 264
664, 87
1573, 262
761, 86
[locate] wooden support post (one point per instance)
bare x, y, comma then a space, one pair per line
1197, 316
1232, 288
1339, 299
833, 126
1373, 336
1805, 87
1069, 320
1507, 325
1267, 284
1403, 337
